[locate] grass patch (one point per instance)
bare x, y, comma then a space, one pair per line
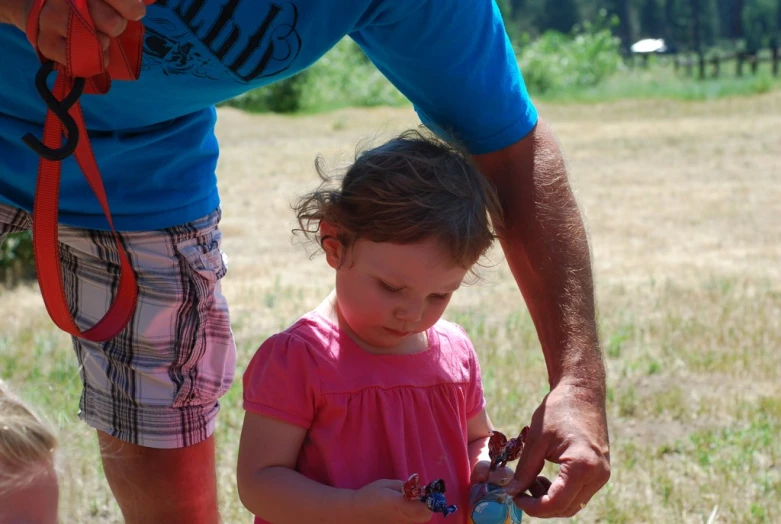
682, 443
662, 82
343, 77
692, 360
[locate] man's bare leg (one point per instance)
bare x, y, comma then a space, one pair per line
162, 486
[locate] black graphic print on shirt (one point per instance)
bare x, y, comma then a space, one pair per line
242, 39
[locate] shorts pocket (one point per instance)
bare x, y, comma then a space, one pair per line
203, 370
204, 254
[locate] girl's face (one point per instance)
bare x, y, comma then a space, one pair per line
387, 293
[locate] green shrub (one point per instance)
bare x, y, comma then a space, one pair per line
16, 258
283, 96
342, 77
556, 62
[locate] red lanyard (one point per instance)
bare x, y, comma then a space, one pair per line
86, 73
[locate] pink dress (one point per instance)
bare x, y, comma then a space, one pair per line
369, 416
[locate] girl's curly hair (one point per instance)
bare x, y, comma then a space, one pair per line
411, 188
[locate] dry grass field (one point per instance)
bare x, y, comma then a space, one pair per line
682, 204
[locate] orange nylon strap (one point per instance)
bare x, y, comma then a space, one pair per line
85, 69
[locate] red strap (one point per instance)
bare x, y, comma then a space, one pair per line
85, 59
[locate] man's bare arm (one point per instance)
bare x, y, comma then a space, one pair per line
546, 246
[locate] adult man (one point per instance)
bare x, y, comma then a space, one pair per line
151, 392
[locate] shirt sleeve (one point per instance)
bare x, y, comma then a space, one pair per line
475, 397
453, 60
281, 381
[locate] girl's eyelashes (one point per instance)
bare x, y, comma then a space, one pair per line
391, 289
387, 287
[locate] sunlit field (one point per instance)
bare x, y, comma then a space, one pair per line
681, 201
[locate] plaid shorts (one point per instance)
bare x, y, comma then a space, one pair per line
158, 382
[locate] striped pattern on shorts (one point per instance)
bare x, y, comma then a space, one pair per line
158, 382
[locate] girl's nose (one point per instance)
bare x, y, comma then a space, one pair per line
410, 312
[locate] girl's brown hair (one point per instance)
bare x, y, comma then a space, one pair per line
409, 189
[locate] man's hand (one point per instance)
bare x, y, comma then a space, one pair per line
569, 429
109, 16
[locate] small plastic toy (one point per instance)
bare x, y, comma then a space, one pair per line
433, 494
490, 504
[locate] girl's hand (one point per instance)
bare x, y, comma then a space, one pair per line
500, 476
382, 502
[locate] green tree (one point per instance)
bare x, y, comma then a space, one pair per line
671, 32
704, 24
736, 18
692, 24
729, 18
561, 16
760, 23
516, 7
624, 30
505, 6
777, 35
520, 16
651, 19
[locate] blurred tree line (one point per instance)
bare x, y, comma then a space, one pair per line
685, 25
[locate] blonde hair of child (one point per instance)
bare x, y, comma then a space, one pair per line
27, 443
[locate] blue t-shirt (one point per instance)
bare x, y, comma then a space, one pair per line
154, 138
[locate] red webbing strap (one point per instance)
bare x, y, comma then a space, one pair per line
85, 60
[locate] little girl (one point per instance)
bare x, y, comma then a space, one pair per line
28, 481
373, 386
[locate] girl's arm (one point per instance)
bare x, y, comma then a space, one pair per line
271, 488
479, 430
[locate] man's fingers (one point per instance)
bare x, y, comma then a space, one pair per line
106, 19
590, 488
110, 18
529, 466
53, 47
128, 9
104, 40
562, 498
540, 487
580, 502
570, 491
53, 20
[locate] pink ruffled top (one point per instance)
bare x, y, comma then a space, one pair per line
371, 416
